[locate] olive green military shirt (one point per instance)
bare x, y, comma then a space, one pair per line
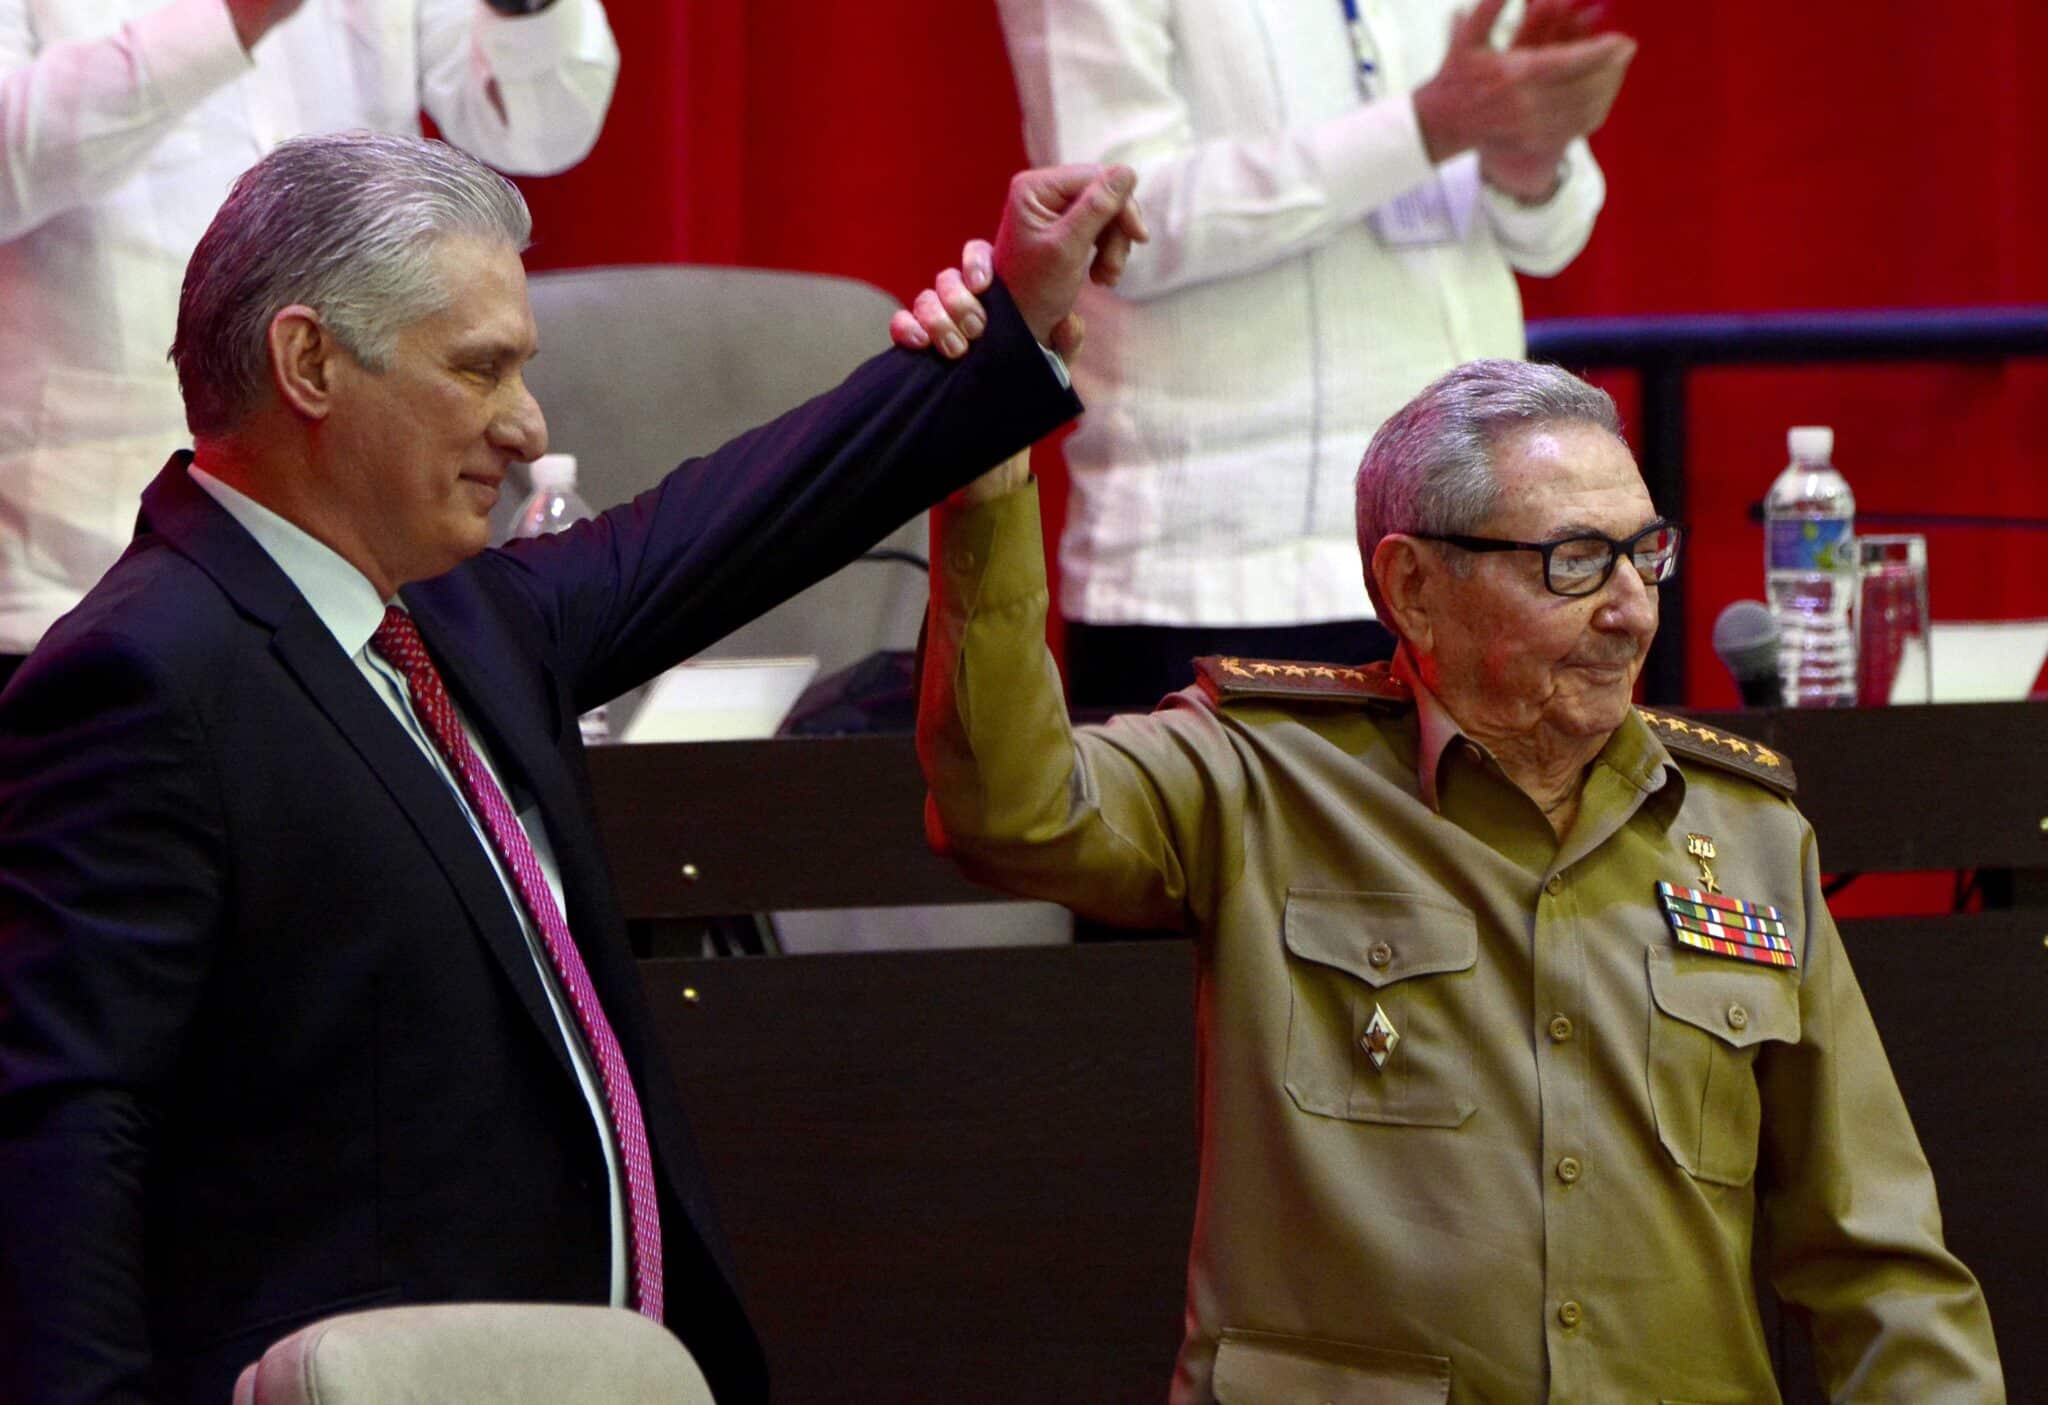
1473, 1125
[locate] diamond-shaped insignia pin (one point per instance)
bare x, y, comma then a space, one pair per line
1379, 1039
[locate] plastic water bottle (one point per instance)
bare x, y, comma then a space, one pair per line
1810, 569
554, 506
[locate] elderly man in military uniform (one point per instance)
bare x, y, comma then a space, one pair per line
1526, 1035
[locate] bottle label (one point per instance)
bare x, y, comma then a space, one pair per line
1812, 544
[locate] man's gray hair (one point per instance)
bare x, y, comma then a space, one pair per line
1430, 466
345, 224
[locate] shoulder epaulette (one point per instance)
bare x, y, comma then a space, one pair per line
1227, 680
1730, 753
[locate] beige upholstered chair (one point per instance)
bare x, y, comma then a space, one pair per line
642, 367
477, 1354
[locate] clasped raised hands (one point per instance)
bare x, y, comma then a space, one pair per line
1061, 226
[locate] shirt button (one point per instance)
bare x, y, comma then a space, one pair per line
1568, 1169
1555, 885
1560, 1029
1380, 954
1569, 1313
1738, 1018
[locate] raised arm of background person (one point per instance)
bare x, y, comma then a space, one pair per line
1125, 80
527, 94
78, 117
113, 855
1138, 823
1848, 1227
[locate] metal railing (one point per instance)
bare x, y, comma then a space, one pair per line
1663, 352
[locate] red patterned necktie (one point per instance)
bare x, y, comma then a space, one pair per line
398, 640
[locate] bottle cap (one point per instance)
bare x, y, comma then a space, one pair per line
554, 471
1812, 443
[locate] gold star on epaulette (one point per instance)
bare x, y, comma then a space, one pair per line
1730, 753
1230, 679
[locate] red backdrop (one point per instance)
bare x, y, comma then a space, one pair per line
1821, 155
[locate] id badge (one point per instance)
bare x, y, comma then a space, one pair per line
1438, 211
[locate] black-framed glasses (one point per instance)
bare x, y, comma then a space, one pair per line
1580, 564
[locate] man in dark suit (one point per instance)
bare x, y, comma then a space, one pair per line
314, 990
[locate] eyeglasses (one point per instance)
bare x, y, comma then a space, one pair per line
1581, 563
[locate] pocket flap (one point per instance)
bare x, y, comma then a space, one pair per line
1260, 1368
1380, 937
1739, 1005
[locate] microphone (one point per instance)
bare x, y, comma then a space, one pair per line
1746, 638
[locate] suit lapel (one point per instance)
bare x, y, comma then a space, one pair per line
519, 745
471, 649
488, 672
499, 704
338, 687
179, 511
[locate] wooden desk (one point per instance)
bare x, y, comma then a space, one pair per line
732, 827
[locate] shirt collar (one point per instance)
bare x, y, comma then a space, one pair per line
340, 595
1636, 755
1633, 752
1436, 729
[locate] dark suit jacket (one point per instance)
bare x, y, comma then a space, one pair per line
271, 1041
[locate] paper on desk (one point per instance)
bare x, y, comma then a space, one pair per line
1988, 660
721, 700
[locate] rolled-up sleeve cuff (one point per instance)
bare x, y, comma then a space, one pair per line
1571, 207
188, 49
1371, 155
529, 46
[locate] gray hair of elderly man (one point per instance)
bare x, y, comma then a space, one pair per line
1430, 466
345, 224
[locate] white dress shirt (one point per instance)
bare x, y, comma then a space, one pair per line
347, 604
1235, 376
122, 125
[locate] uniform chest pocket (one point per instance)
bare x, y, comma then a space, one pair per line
1259, 1368
1352, 956
1708, 1019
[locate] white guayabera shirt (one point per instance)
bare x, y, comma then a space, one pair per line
1235, 375
122, 125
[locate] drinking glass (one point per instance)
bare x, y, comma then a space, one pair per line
1893, 661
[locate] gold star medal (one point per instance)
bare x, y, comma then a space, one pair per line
1701, 847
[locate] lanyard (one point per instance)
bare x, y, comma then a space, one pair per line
1363, 49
